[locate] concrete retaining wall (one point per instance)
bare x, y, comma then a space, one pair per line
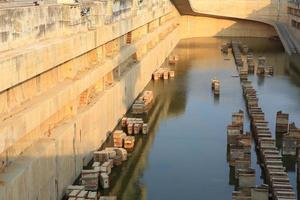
264, 10
43, 170
55, 162
195, 26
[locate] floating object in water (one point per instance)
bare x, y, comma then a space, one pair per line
215, 85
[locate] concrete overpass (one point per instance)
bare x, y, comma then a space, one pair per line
271, 12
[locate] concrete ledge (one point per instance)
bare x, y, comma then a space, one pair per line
21, 65
71, 144
200, 26
45, 105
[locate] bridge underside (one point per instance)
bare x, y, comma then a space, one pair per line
266, 12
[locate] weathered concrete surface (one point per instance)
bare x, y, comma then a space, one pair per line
45, 105
46, 74
272, 12
201, 26
75, 133
78, 137
32, 174
18, 65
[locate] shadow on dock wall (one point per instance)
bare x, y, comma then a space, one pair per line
269, 12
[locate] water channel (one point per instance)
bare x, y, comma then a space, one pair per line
184, 155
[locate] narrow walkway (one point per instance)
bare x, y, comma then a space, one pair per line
287, 38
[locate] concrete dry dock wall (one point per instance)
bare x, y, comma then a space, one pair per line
55, 162
34, 171
45, 105
244, 9
46, 135
196, 26
18, 65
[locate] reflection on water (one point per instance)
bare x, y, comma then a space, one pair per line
184, 156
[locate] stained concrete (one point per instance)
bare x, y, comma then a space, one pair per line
76, 139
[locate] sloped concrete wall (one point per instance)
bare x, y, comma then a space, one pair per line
196, 26
264, 10
53, 163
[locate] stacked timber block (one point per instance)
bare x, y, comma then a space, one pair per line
215, 85
78, 193
269, 70
134, 125
90, 179
121, 154
143, 103
118, 137
122, 140
271, 160
225, 47
240, 195
260, 192
108, 198
256, 193
262, 68
246, 178
106, 167
237, 53
282, 122
245, 49
104, 161
238, 119
129, 143
291, 140
110, 154
172, 59
250, 62
276, 178
243, 71
261, 65
104, 180
239, 156
298, 166
163, 73
238, 144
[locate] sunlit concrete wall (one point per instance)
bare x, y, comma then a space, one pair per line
294, 15
54, 163
51, 56
262, 10
46, 134
195, 26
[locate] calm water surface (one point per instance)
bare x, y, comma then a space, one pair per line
184, 156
